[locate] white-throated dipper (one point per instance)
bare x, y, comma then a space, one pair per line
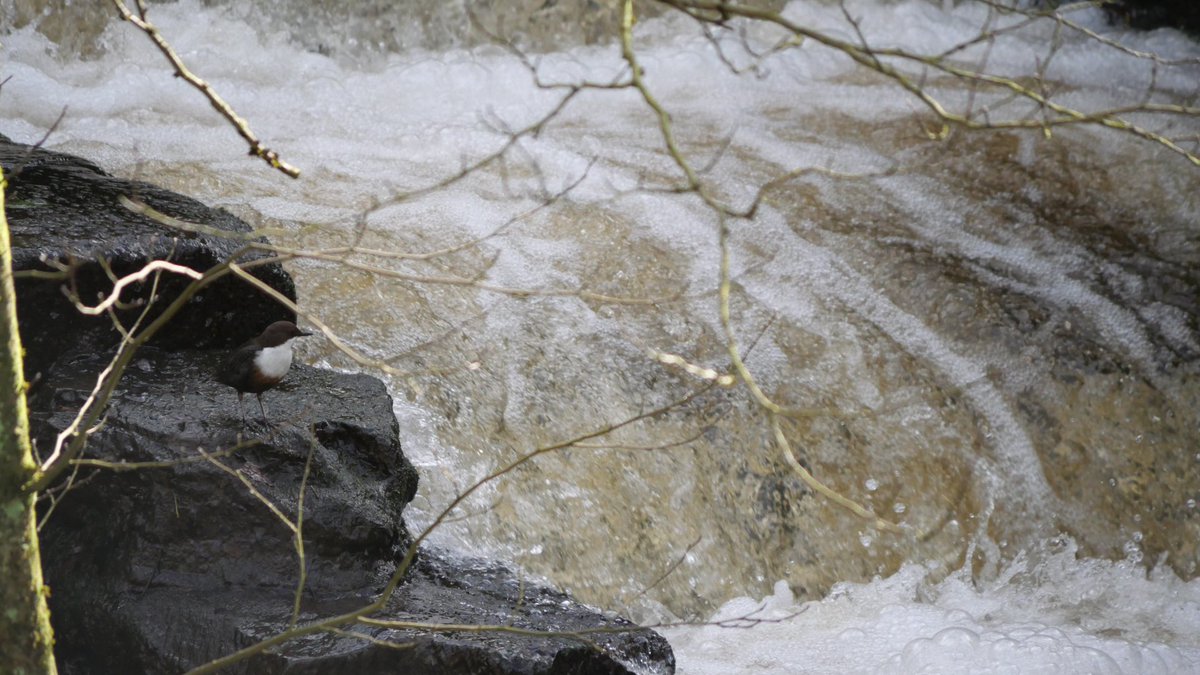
261, 363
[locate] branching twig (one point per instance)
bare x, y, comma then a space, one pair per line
299, 533
673, 566
71, 441
410, 555
257, 149
266, 501
773, 409
146, 270
874, 59
165, 464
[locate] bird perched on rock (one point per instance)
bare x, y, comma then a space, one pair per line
261, 363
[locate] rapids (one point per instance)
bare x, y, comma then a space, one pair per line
991, 338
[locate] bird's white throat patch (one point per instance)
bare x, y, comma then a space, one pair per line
274, 361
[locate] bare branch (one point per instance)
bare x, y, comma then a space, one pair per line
410, 555
298, 538
71, 441
141, 274
167, 464
873, 59
673, 566
266, 501
773, 409
721, 379
257, 149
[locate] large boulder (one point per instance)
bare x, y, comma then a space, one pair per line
176, 561
153, 569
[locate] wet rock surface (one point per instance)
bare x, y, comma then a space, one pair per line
65, 209
160, 569
132, 554
197, 524
175, 545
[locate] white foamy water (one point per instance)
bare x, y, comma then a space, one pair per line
945, 431
1056, 616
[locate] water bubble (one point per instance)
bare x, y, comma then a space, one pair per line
1133, 552
852, 635
899, 508
957, 616
956, 638
871, 484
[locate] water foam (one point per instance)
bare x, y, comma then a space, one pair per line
1057, 615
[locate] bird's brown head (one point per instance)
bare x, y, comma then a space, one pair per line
279, 333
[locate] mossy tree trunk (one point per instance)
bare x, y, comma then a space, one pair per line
26, 641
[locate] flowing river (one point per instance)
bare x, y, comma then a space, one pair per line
988, 339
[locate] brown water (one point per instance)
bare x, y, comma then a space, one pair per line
982, 362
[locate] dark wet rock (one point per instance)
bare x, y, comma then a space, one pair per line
161, 569
63, 208
1151, 14
487, 593
443, 589
195, 528
209, 624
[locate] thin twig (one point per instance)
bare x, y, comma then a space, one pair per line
257, 148
141, 274
299, 535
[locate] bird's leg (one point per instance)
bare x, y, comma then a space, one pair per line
241, 408
263, 409
270, 427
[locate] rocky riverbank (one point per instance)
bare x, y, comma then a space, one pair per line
167, 566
